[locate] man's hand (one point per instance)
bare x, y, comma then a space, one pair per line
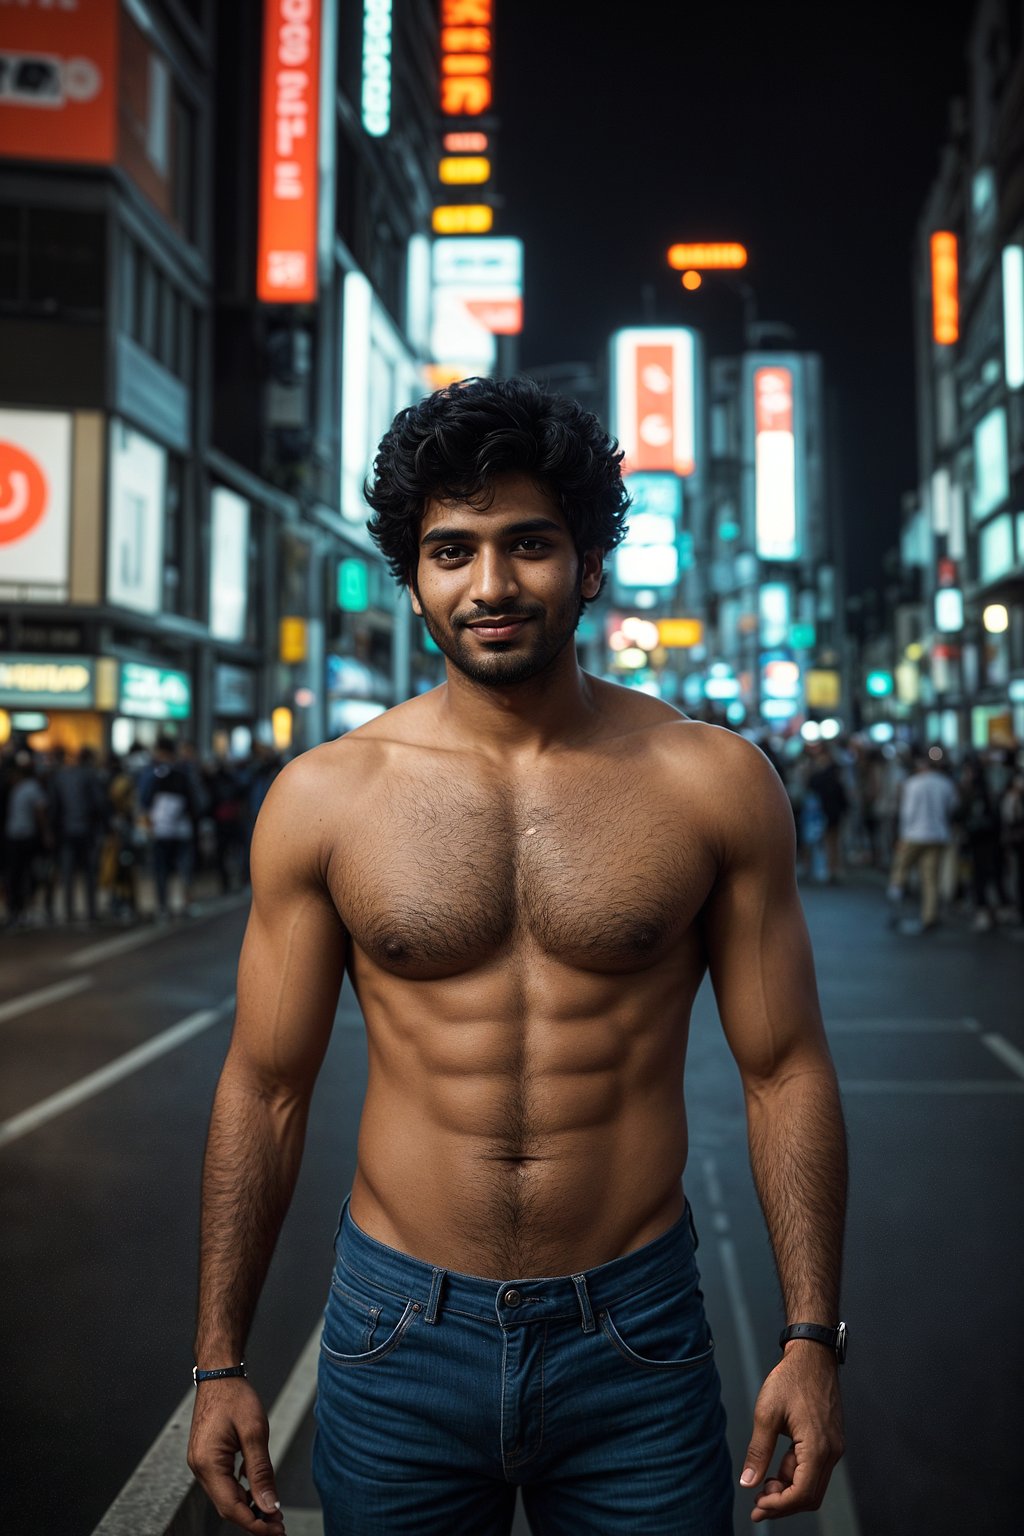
228, 1418
800, 1398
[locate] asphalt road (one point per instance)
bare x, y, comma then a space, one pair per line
100, 1154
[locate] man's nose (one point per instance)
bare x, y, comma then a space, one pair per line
494, 579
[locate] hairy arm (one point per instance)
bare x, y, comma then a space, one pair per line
763, 974
289, 978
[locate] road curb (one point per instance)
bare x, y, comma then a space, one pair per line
162, 1498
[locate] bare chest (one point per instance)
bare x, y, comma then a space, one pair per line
601, 872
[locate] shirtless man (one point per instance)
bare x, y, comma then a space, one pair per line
526, 873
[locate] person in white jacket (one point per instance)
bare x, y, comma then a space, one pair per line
928, 801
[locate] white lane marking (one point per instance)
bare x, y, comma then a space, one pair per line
837, 1515
125, 942
295, 1397
945, 1085
154, 1497
43, 997
752, 1373
712, 1182
1008, 1054
901, 1026
122, 1066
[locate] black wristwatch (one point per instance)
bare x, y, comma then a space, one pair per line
225, 1370
832, 1338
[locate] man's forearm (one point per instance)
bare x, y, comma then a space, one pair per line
798, 1158
253, 1153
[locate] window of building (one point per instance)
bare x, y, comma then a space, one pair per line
10, 253
174, 536
53, 261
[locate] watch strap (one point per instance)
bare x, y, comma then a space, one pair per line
227, 1370
831, 1338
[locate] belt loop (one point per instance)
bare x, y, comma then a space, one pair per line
580, 1282
693, 1226
430, 1316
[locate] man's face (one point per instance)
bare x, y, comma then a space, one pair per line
500, 590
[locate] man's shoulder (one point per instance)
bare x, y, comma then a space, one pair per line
704, 749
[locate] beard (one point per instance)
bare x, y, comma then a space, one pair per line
506, 663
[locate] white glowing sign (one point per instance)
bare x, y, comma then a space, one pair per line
377, 67
478, 295
1013, 315
949, 610
775, 464
229, 563
991, 463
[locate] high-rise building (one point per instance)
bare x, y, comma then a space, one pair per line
215, 293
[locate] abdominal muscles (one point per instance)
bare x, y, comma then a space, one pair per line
502, 1139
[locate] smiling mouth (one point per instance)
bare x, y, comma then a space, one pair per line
498, 629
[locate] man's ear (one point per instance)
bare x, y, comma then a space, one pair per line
414, 599
593, 570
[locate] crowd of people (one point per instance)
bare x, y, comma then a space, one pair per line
83, 838
952, 825
87, 840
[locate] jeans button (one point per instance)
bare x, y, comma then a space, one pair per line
512, 1298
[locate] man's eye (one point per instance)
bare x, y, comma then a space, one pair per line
450, 552
535, 545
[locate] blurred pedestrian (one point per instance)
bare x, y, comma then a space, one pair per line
1011, 816
872, 800
26, 832
117, 861
80, 815
165, 795
225, 793
928, 802
827, 783
978, 821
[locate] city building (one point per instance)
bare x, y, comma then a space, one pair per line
959, 664
217, 287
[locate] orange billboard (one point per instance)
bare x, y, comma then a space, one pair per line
58, 81
654, 397
289, 118
719, 256
466, 27
945, 288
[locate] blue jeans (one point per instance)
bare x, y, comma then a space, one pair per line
597, 1394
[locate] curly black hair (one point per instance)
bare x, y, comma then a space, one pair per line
453, 444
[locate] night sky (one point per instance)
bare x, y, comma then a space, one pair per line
808, 132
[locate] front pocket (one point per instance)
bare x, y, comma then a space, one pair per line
358, 1331
665, 1339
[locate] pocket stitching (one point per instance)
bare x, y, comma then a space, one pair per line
390, 1343
615, 1338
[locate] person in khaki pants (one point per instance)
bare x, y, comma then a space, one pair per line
927, 802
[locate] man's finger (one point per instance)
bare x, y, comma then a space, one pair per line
762, 1447
805, 1491
230, 1501
260, 1473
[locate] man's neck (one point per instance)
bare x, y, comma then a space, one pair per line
524, 720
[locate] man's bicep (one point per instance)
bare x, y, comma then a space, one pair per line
293, 956
759, 950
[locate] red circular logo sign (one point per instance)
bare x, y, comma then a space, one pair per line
24, 493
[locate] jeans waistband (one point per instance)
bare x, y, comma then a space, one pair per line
517, 1299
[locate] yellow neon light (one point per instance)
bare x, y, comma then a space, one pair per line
463, 219
464, 170
692, 280
719, 255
